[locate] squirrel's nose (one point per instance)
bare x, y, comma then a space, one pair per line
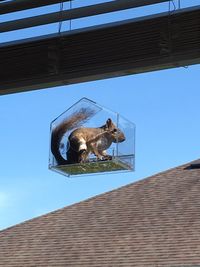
122, 139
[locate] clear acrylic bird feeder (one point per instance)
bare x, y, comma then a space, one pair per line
121, 154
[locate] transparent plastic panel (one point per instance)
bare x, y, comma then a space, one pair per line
126, 149
106, 138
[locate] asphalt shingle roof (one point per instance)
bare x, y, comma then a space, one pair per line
154, 222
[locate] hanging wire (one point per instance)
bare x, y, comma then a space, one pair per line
174, 5
60, 19
179, 4
70, 21
58, 47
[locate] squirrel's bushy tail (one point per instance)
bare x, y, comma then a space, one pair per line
68, 124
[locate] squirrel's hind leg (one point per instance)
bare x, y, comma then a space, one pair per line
83, 156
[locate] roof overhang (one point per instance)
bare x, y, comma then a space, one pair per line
134, 46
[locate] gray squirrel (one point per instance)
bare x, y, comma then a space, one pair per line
84, 141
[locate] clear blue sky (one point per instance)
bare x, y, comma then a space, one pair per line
164, 105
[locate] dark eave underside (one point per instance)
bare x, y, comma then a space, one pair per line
136, 46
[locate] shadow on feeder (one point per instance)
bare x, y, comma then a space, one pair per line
77, 150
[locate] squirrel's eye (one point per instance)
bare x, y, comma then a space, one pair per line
115, 130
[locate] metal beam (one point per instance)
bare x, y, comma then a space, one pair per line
75, 13
137, 46
18, 5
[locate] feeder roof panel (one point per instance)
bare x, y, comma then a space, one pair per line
153, 222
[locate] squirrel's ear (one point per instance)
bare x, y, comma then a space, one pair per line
109, 123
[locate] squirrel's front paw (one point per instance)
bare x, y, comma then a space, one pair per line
107, 157
100, 158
